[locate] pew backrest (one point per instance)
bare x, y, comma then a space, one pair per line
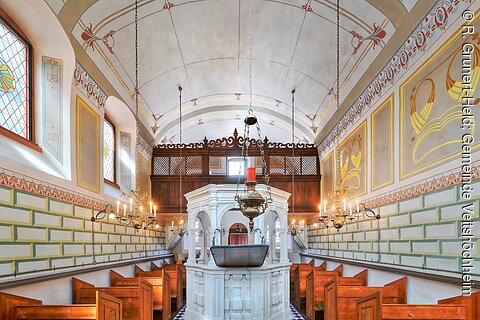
13, 307
340, 300
371, 308
9, 302
137, 300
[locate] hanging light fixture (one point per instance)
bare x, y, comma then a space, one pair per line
252, 203
179, 228
137, 215
294, 227
342, 212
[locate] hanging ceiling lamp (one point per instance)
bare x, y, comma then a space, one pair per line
137, 215
294, 228
342, 212
252, 203
180, 228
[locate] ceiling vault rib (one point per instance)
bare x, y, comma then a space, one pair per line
181, 53
196, 113
294, 49
409, 23
392, 9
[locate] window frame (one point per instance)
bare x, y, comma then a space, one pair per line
105, 180
31, 141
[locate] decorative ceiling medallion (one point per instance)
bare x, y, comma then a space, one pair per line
308, 6
90, 38
376, 37
156, 117
168, 5
7, 81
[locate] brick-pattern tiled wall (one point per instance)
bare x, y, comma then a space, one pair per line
38, 233
422, 231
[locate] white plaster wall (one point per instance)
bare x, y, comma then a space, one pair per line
59, 291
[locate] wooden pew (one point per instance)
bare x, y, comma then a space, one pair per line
340, 301
176, 281
300, 282
472, 303
161, 300
137, 300
371, 308
14, 307
316, 280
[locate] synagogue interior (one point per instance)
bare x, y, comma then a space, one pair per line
239, 159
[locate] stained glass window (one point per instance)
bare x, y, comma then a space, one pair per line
108, 151
15, 81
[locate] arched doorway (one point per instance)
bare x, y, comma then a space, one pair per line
238, 234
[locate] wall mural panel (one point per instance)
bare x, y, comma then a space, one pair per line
88, 147
328, 175
382, 145
52, 106
431, 108
125, 160
352, 159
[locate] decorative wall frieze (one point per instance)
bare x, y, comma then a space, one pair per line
19, 182
87, 85
434, 183
427, 32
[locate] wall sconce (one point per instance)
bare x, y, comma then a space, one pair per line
99, 216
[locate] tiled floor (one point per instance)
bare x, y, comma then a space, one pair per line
295, 314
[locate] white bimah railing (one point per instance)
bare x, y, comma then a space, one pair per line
215, 293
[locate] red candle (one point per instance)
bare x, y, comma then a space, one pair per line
251, 174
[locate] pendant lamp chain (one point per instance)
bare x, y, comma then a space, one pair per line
338, 91
136, 92
293, 152
182, 161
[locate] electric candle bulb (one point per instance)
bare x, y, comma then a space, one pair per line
151, 207
325, 206
358, 209
118, 206
172, 223
141, 209
125, 210
344, 204
131, 202
350, 209
155, 210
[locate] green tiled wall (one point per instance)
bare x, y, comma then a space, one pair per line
38, 233
422, 231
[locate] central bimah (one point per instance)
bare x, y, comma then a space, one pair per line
217, 293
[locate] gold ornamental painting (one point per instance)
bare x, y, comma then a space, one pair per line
352, 162
431, 106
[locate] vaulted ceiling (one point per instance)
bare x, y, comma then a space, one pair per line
203, 45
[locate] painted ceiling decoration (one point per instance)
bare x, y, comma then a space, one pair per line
426, 33
202, 45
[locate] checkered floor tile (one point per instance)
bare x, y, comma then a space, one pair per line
295, 314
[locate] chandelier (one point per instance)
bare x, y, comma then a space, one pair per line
179, 226
252, 203
137, 214
342, 212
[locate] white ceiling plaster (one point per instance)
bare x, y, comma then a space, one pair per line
203, 45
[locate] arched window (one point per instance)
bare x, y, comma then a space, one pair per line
16, 113
108, 151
